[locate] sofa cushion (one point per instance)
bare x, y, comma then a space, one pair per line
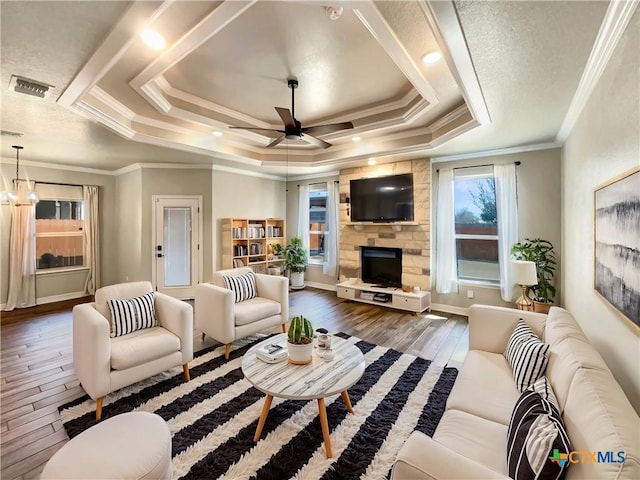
242, 286
485, 387
527, 356
474, 437
560, 325
142, 346
254, 309
536, 432
129, 315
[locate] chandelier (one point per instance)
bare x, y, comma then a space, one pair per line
12, 196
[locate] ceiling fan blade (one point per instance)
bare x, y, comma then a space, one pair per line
329, 128
276, 141
316, 141
287, 118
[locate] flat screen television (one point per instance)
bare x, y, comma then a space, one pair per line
381, 266
382, 199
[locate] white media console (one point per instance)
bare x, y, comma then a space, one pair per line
365, 293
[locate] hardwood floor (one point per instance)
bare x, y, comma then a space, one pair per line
37, 374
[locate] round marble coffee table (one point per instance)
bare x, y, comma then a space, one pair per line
314, 381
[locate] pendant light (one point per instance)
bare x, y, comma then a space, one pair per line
12, 196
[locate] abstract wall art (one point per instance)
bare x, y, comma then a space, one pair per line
617, 243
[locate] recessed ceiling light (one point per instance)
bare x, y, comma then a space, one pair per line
431, 57
371, 161
356, 138
153, 39
217, 133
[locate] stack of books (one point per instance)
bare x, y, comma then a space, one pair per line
272, 353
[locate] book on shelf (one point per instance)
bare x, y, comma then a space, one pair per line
237, 263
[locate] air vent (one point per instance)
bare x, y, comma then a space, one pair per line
9, 133
29, 87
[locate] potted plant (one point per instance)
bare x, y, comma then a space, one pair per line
276, 248
541, 253
300, 342
295, 262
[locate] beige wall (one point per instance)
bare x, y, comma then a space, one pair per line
243, 196
604, 143
60, 284
538, 183
129, 225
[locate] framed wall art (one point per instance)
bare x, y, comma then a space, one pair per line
616, 250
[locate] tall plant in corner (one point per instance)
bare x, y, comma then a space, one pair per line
295, 261
541, 253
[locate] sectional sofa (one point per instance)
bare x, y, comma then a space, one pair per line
470, 441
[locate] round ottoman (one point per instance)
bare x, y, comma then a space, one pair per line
135, 445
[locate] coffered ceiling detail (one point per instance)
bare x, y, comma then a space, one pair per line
227, 64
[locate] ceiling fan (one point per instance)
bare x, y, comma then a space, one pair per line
294, 130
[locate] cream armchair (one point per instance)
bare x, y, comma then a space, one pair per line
218, 316
105, 364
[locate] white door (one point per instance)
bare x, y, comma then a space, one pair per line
176, 247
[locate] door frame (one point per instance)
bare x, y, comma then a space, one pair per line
200, 249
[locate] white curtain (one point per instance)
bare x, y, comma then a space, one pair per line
303, 215
507, 211
91, 238
331, 249
446, 264
22, 253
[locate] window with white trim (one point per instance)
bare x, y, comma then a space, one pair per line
59, 227
317, 222
476, 225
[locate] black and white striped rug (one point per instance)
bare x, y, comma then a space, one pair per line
213, 417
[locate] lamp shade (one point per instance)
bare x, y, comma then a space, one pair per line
524, 273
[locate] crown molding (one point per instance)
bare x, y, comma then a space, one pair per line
57, 166
497, 152
248, 173
615, 22
312, 176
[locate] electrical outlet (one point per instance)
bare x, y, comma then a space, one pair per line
469, 293
126, 278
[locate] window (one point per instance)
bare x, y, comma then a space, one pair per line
476, 225
59, 228
317, 222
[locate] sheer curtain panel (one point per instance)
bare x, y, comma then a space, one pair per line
446, 264
507, 213
91, 237
22, 253
330, 264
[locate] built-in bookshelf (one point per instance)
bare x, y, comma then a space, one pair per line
249, 242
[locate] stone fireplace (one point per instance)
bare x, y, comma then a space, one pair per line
413, 239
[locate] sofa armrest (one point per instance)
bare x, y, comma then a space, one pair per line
422, 457
177, 317
214, 312
92, 350
490, 327
275, 287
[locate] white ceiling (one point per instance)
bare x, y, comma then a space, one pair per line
510, 72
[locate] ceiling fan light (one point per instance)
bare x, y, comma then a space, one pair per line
153, 39
432, 57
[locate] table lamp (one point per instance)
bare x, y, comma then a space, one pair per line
524, 274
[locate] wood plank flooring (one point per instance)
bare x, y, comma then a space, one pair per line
36, 365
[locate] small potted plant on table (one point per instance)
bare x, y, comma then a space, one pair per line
300, 343
541, 253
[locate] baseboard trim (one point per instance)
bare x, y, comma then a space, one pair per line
321, 286
60, 298
441, 307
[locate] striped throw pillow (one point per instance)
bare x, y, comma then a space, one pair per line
526, 355
129, 315
243, 286
537, 441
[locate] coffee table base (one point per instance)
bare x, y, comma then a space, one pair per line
324, 423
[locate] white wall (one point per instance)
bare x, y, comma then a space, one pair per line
604, 143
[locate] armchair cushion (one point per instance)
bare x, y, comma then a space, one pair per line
142, 346
129, 315
255, 309
243, 286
